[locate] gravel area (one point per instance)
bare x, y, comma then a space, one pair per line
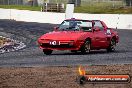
59, 77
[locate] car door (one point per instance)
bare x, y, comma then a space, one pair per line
99, 36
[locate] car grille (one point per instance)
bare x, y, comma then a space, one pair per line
46, 45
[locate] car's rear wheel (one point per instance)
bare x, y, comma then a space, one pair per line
112, 45
47, 52
86, 47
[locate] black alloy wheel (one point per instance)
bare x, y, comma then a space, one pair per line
86, 47
112, 45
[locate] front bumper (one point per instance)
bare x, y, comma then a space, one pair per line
60, 44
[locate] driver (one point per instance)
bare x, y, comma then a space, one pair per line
73, 25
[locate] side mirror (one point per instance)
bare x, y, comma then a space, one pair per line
96, 29
56, 28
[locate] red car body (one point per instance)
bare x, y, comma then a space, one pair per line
85, 36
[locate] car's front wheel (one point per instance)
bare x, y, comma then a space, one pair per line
112, 46
47, 52
86, 47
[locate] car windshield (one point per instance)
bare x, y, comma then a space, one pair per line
75, 25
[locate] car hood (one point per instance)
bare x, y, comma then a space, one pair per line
63, 35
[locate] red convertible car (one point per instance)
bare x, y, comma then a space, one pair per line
79, 35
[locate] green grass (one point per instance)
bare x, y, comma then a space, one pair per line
103, 7
104, 10
98, 8
20, 7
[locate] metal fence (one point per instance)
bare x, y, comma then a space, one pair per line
92, 2
52, 7
11, 2
19, 2
112, 3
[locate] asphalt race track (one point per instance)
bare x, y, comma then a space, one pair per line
32, 56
